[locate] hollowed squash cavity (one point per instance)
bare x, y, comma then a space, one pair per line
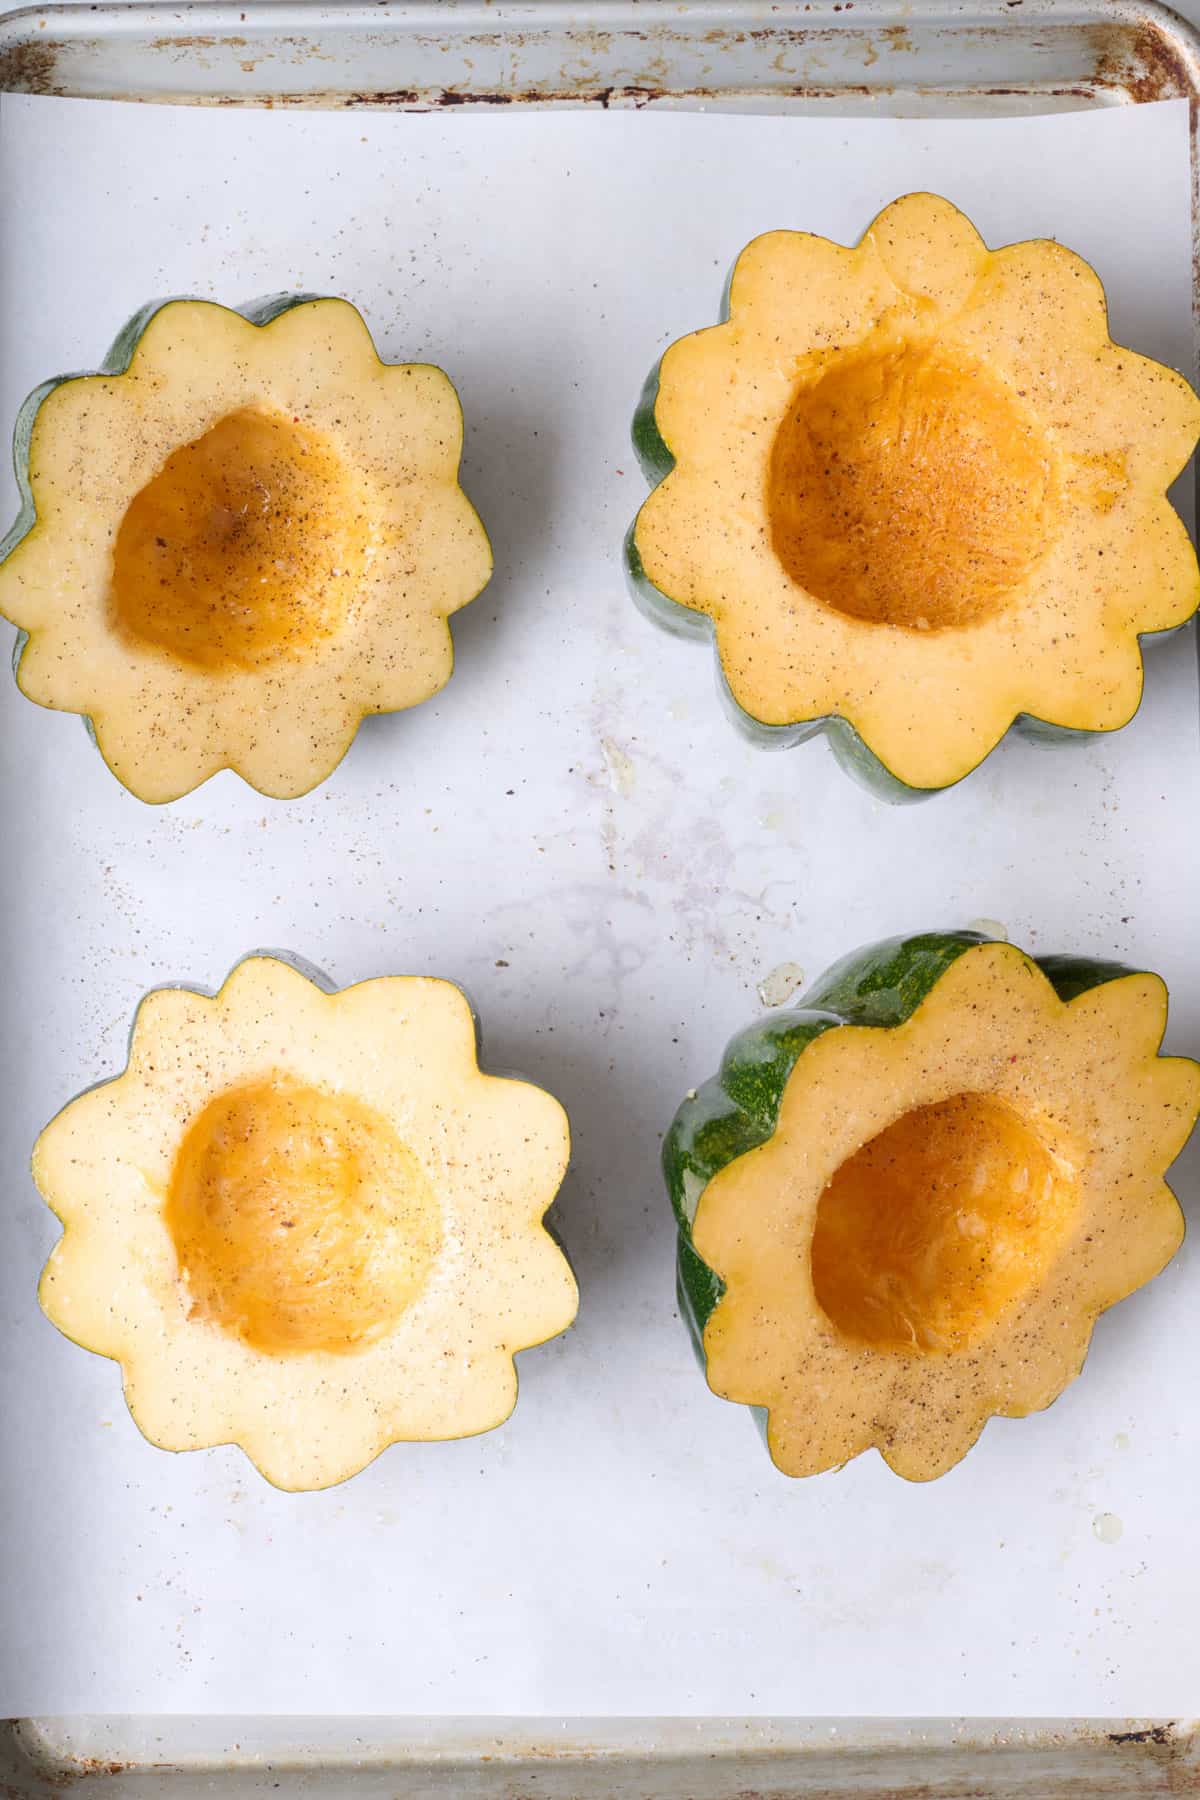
908, 487
299, 1218
928, 1232
248, 544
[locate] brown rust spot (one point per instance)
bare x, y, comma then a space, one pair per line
423, 99
1153, 1734
199, 43
631, 96
1146, 63
84, 1768
455, 97
1058, 93
386, 97
30, 67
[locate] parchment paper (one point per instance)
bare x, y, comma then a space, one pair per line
573, 830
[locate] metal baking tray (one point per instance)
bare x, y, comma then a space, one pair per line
852, 57
616, 1759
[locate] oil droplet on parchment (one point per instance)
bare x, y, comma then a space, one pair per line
990, 928
1121, 1441
621, 772
1107, 1527
780, 984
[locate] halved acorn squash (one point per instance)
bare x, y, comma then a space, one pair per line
917, 494
305, 1222
902, 1205
239, 538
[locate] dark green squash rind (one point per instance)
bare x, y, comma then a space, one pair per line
854, 756
1041, 731
650, 447
738, 1109
1071, 976
668, 615
884, 983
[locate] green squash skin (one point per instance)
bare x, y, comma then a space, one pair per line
852, 754
738, 1109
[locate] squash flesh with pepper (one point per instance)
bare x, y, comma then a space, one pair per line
306, 1222
917, 494
240, 538
903, 1205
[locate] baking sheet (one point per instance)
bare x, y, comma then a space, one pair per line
573, 831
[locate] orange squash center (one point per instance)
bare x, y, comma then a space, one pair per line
299, 1219
930, 1230
908, 487
249, 544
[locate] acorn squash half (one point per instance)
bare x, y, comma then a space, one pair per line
239, 538
305, 1222
902, 1205
917, 494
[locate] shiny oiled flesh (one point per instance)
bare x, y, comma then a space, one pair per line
926, 1234
249, 544
300, 1221
908, 488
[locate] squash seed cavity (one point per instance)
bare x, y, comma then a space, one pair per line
300, 1221
908, 487
249, 544
929, 1231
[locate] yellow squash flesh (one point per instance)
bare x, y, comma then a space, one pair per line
306, 1223
917, 487
944, 1209
243, 544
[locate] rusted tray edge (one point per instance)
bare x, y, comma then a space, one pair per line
865, 1758
422, 54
